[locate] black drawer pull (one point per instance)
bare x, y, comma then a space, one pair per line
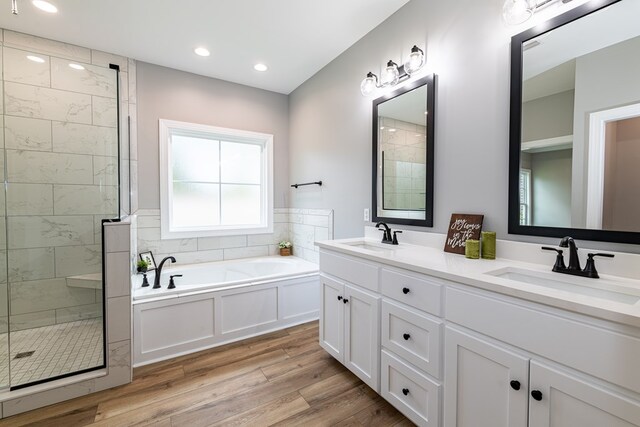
405, 290
406, 337
339, 297
405, 391
515, 384
344, 300
537, 395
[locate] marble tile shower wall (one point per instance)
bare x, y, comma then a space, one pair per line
301, 226
59, 137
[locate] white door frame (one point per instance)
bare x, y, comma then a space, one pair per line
595, 172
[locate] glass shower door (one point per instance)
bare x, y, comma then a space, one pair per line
60, 159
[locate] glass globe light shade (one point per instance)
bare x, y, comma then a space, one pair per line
415, 60
516, 12
390, 75
369, 84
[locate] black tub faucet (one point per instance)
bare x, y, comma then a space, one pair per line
386, 233
156, 279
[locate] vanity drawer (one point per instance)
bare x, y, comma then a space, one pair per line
349, 269
419, 292
412, 336
413, 394
572, 340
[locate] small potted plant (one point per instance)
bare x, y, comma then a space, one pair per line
142, 266
285, 248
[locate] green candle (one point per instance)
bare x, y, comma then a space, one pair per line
472, 249
488, 244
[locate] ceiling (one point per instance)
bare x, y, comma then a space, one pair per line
294, 38
409, 107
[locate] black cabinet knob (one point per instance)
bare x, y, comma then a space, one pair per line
344, 300
406, 337
515, 384
405, 391
537, 395
405, 290
339, 297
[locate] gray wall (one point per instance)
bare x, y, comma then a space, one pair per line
467, 46
548, 117
165, 93
551, 188
605, 79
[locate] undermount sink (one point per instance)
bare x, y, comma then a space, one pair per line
611, 290
370, 246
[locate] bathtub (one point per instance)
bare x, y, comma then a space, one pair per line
220, 302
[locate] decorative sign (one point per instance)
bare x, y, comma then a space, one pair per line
461, 228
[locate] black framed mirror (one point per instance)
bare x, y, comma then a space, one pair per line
402, 166
574, 150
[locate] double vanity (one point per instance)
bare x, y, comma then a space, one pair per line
458, 342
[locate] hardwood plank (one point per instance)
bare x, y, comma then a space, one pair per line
269, 413
404, 423
191, 383
259, 395
293, 364
282, 378
174, 404
330, 387
380, 414
331, 411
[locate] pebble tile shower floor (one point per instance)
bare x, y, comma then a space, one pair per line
58, 350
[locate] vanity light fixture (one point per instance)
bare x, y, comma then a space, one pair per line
35, 59
516, 12
393, 73
76, 66
202, 51
260, 67
45, 6
14, 7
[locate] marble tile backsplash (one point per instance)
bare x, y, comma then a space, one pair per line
301, 226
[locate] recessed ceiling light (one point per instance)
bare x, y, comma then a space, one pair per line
76, 66
202, 51
392, 130
35, 59
381, 127
45, 6
260, 67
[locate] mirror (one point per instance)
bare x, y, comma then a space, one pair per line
403, 154
575, 125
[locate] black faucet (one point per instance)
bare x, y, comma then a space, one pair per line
386, 233
574, 260
156, 279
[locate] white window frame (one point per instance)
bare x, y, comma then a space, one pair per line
167, 231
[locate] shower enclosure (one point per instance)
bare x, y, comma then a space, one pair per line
59, 159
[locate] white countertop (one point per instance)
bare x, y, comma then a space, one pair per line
435, 262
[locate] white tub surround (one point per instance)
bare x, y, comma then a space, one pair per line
220, 302
433, 331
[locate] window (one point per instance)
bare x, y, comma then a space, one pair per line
525, 197
214, 181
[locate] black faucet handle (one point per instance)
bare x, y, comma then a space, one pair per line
385, 235
395, 238
559, 265
590, 256
172, 284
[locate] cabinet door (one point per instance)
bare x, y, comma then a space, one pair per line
332, 317
362, 335
478, 383
569, 401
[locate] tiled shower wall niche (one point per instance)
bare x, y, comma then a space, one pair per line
301, 226
60, 139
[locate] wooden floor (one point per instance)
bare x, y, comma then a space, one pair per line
283, 378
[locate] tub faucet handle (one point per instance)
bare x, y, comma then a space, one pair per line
172, 284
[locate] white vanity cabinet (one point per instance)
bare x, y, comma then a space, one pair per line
491, 383
349, 328
454, 355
